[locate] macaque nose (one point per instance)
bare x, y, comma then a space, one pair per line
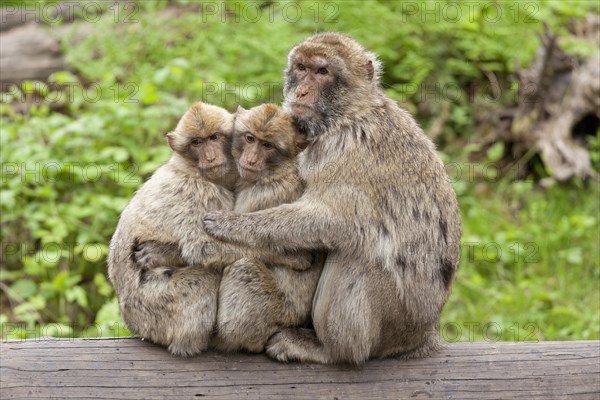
251, 162
210, 159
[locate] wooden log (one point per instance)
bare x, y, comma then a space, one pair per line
132, 369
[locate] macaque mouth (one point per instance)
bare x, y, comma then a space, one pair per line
253, 170
209, 167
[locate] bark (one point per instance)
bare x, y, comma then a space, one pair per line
557, 92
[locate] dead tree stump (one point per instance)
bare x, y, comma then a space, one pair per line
557, 93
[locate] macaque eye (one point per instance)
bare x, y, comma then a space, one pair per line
250, 138
322, 71
267, 145
196, 141
214, 136
301, 67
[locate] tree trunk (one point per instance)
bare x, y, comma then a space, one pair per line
557, 92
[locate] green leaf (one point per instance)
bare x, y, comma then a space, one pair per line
109, 312
28, 312
31, 87
78, 295
573, 255
93, 252
32, 267
115, 154
495, 152
62, 77
102, 284
57, 331
149, 94
161, 76
49, 256
63, 281
6, 275
23, 289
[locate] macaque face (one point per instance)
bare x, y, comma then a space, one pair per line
309, 78
264, 140
203, 137
324, 77
256, 153
313, 86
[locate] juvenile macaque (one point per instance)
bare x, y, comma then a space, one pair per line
384, 209
257, 299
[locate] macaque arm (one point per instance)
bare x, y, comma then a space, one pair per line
218, 253
298, 225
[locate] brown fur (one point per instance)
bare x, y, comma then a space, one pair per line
257, 299
172, 300
377, 198
165, 269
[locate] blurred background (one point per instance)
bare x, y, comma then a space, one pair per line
508, 90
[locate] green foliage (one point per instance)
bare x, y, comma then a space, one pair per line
70, 165
530, 264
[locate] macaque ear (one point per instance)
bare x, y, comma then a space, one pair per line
171, 139
370, 70
240, 109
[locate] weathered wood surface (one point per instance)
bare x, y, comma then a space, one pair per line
132, 369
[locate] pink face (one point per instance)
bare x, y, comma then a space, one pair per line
308, 77
210, 151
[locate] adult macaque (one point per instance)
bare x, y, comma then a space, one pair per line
384, 209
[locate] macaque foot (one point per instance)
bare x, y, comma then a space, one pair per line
188, 347
153, 254
296, 344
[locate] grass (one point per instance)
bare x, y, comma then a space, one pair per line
530, 264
